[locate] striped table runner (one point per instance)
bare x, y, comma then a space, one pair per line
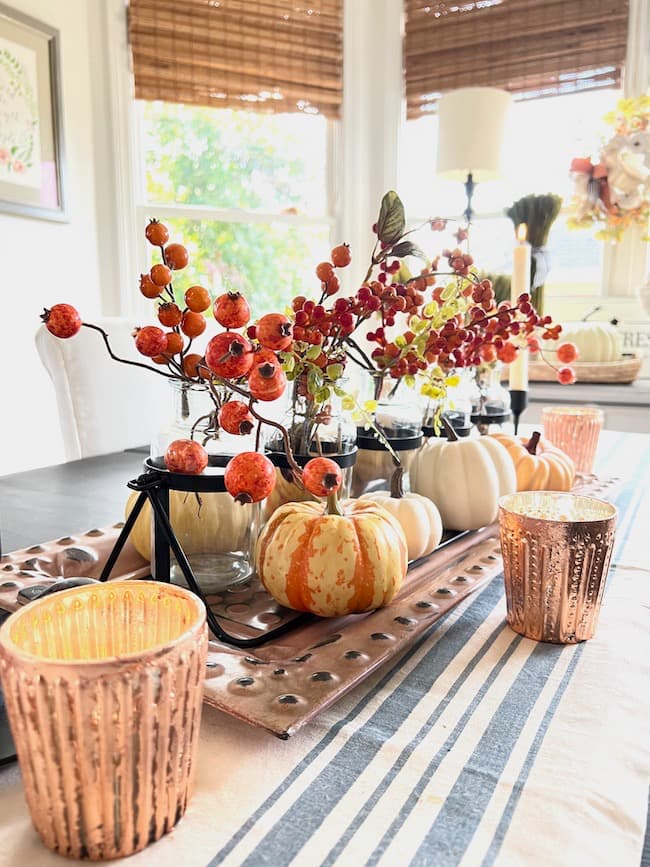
475, 747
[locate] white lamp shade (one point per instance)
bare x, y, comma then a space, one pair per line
471, 125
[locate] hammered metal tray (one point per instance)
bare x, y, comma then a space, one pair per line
284, 684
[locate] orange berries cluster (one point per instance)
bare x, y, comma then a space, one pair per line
232, 356
483, 295
458, 261
249, 360
185, 323
340, 258
398, 362
486, 335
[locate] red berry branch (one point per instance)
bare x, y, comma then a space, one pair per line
428, 324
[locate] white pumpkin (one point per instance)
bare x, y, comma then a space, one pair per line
372, 465
417, 515
596, 341
464, 478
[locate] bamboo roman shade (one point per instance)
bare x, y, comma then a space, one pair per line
268, 55
530, 47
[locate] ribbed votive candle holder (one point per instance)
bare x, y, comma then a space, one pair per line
556, 552
103, 685
575, 430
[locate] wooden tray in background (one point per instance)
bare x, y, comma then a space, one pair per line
620, 372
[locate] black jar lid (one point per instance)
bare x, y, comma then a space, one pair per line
367, 439
279, 459
205, 483
429, 431
492, 418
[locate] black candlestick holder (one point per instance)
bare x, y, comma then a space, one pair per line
154, 485
518, 404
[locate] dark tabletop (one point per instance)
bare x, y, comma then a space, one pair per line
47, 503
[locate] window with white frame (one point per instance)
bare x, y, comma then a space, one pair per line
248, 193
236, 107
542, 138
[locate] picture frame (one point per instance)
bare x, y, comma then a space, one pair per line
32, 163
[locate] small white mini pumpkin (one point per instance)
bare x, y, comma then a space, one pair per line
464, 478
418, 516
596, 341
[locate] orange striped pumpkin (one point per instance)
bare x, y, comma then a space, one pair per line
539, 465
346, 558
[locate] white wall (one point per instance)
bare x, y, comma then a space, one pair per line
43, 262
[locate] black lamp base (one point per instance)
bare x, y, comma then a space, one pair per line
470, 186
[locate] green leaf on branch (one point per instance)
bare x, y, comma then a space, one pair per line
314, 381
391, 221
288, 361
407, 248
404, 274
334, 371
313, 352
323, 394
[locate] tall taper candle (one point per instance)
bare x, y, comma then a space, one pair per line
518, 371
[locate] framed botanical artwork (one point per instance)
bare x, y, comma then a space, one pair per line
31, 136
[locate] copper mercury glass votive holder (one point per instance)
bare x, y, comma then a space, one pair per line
575, 430
104, 686
556, 550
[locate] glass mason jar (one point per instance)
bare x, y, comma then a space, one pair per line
490, 399
217, 534
194, 416
315, 428
399, 417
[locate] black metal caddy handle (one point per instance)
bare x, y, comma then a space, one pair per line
154, 485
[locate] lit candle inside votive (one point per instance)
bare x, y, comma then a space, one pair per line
545, 506
575, 430
518, 370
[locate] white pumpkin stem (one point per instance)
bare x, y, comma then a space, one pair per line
452, 436
334, 506
591, 312
533, 442
397, 483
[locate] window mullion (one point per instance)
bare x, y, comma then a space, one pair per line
372, 115
226, 215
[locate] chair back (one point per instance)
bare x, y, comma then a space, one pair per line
103, 406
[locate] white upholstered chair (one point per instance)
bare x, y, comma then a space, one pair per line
103, 406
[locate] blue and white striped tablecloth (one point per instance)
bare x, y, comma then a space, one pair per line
475, 747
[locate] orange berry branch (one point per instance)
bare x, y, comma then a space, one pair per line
426, 330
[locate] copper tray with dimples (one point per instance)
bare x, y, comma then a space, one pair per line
286, 682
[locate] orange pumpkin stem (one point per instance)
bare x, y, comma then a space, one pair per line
533, 442
397, 483
334, 506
